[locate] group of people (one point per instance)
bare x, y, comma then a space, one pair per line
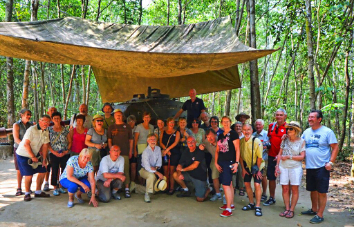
103, 154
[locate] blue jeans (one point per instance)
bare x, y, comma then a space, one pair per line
72, 187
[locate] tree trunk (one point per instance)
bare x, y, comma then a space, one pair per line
140, 11
35, 91
310, 55
84, 5
347, 90
179, 15
69, 92
220, 7
213, 104
168, 12
50, 82
48, 9
26, 84
98, 10
58, 7
125, 12
10, 75
335, 100
62, 81
83, 84
42, 89
88, 86
254, 82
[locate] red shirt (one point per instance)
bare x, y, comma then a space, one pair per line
275, 138
78, 142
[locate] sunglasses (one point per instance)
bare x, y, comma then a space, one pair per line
290, 129
99, 120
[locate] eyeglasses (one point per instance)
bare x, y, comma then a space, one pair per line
99, 120
195, 122
214, 121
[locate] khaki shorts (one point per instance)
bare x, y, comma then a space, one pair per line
214, 171
96, 156
265, 169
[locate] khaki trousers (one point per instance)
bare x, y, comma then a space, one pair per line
150, 180
126, 169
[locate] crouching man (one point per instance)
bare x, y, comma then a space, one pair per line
151, 161
192, 168
110, 176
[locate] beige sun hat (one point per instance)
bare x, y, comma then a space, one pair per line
160, 185
294, 124
35, 164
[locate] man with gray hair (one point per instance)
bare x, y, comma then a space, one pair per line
276, 131
30, 161
192, 168
261, 134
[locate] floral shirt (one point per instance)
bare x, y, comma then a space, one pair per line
78, 171
199, 136
294, 149
59, 144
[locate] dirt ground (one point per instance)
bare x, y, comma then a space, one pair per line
164, 210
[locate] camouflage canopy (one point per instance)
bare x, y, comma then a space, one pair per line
126, 59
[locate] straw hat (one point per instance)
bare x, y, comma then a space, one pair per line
35, 164
242, 114
160, 185
294, 124
97, 116
118, 110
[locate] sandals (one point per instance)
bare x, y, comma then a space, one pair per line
19, 192
284, 213
258, 211
242, 192
290, 214
248, 207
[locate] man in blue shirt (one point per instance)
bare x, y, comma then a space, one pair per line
194, 106
320, 141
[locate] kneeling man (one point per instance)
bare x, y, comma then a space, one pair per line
151, 161
110, 176
192, 167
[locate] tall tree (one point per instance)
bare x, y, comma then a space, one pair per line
10, 74
310, 61
255, 91
347, 91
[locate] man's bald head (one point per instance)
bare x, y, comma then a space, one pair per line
83, 109
51, 110
192, 93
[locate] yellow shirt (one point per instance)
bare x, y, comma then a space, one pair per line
246, 152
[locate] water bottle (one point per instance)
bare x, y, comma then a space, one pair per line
165, 159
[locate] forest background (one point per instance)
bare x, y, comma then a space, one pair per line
313, 67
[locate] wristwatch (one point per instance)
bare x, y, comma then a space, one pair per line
291, 157
331, 163
237, 163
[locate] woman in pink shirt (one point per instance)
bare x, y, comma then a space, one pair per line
77, 136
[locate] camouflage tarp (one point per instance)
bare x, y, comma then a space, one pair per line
126, 59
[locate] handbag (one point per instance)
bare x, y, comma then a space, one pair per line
254, 168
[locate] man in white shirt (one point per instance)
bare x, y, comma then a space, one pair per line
110, 175
34, 142
151, 161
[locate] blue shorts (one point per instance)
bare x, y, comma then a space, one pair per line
226, 174
27, 170
317, 180
72, 187
200, 186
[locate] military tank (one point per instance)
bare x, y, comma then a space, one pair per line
159, 105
